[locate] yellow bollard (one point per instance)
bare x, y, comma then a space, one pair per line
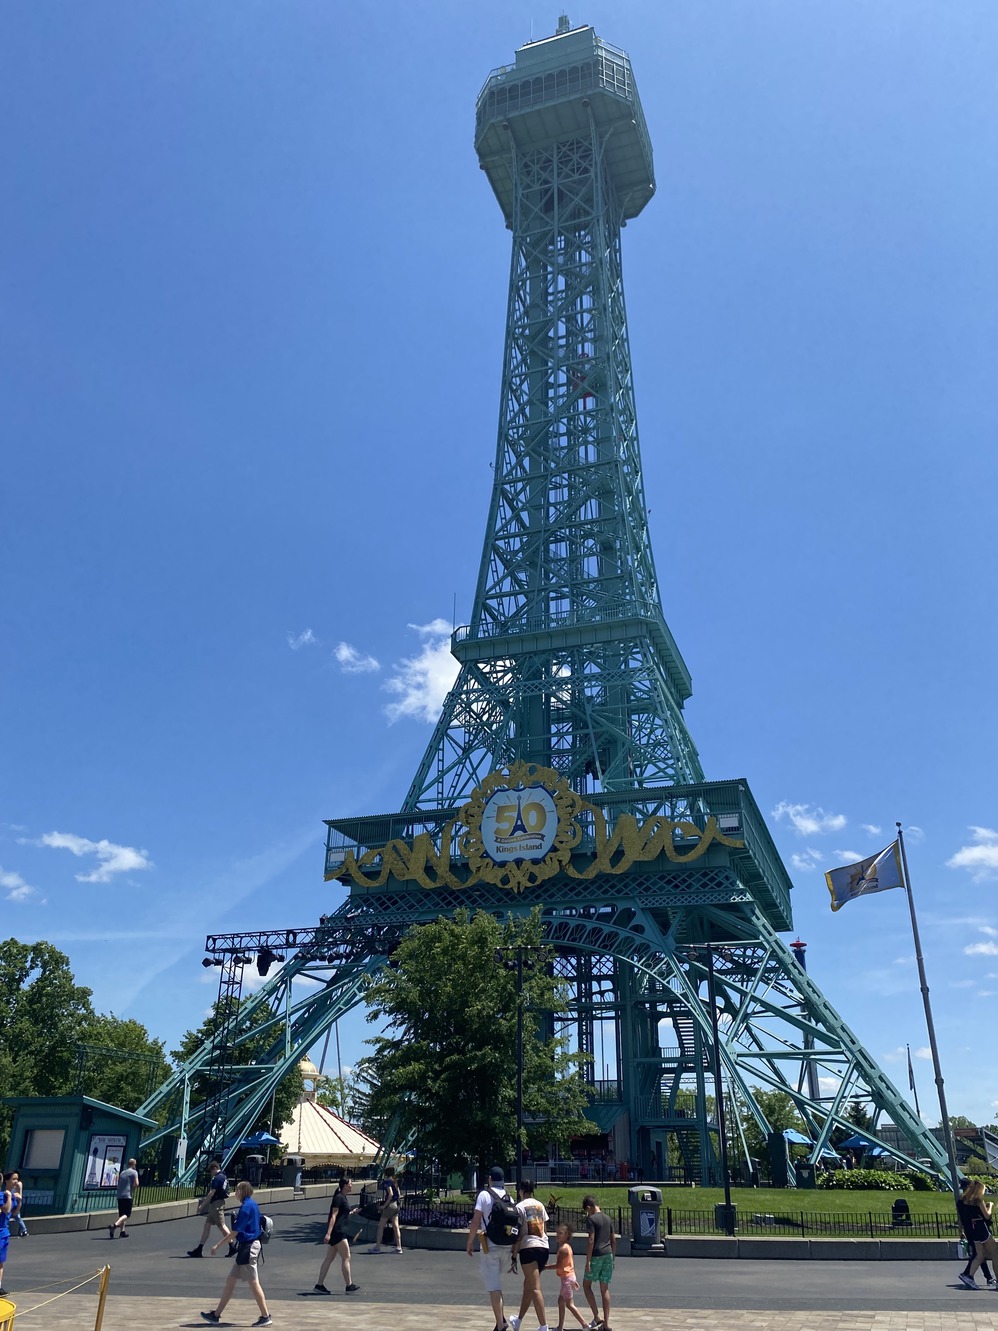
105, 1275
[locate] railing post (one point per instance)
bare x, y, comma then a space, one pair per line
668, 1219
872, 1235
803, 1224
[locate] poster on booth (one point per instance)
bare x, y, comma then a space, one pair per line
104, 1156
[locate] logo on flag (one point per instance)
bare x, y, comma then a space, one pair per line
876, 874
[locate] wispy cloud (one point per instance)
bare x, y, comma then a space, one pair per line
980, 857
981, 950
848, 856
16, 888
304, 639
806, 860
807, 821
872, 828
901, 1052
111, 858
420, 683
353, 662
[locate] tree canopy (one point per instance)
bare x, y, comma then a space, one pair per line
445, 1070
45, 1019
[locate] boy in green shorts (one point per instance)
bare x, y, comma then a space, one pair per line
600, 1252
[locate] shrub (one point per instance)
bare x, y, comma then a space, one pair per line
922, 1182
858, 1180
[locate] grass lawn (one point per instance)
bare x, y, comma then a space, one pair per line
775, 1201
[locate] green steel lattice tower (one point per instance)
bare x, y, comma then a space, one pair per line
568, 664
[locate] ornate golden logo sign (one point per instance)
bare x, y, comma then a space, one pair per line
521, 826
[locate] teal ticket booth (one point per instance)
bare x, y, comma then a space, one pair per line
69, 1150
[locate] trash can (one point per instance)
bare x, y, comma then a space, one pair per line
291, 1171
254, 1167
646, 1207
805, 1175
726, 1217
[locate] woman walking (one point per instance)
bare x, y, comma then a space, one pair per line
389, 1214
247, 1234
975, 1216
531, 1248
338, 1239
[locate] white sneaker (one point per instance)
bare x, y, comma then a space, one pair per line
376, 1248
398, 1249
969, 1281
514, 1324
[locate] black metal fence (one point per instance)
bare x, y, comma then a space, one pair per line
828, 1224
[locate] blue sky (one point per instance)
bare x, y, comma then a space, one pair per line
253, 297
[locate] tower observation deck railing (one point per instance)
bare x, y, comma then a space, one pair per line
756, 864
510, 89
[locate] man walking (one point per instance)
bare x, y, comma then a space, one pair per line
495, 1240
600, 1252
212, 1205
128, 1185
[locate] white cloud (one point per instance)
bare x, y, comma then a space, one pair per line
829, 1085
804, 862
981, 857
353, 662
981, 950
111, 859
807, 821
304, 639
871, 828
849, 856
923, 1051
17, 889
987, 929
421, 682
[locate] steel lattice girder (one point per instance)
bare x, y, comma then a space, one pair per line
767, 1002
568, 661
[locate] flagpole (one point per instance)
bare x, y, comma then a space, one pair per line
911, 1081
924, 986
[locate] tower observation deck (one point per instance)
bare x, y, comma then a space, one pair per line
561, 774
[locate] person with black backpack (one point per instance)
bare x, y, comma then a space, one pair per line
496, 1225
212, 1206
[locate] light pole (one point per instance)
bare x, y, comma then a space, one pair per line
518, 967
722, 1135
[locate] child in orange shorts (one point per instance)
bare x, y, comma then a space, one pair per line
565, 1271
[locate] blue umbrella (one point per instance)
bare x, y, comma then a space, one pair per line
261, 1139
797, 1138
856, 1143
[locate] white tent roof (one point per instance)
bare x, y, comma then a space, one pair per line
324, 1138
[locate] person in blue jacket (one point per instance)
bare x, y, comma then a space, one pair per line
247, 1236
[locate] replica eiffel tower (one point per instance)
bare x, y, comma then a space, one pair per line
561, 772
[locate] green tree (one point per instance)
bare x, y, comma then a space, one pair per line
781, 1113
123, 1065
446, 1068
858, 1114
255, 1049
44, 1018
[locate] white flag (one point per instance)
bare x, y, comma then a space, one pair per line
876, 874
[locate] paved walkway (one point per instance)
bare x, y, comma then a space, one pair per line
76, 1312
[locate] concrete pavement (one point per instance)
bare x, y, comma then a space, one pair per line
154, 1287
